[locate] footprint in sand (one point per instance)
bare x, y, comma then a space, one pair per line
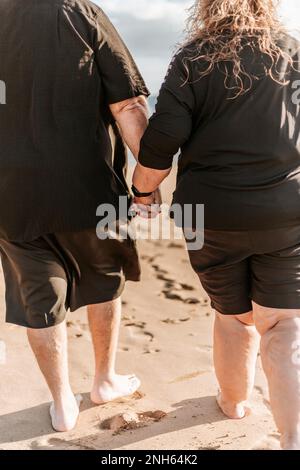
141, 326
138, 335
138, 395
210, 447
150, 259
169, 294
162, 274
165, 277
137, 324
131, 420
187, 287
54, 443
175, 290
171, 321
129, 318
79, 330
190, 376
205, 348
172, 293
151, 351
176, 245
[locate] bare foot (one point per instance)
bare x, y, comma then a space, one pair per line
64, 417
232, 410
119, 386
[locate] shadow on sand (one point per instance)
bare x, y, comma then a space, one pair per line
33, 424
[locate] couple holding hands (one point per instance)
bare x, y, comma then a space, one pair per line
74, 100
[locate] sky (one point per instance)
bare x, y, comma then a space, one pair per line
152, 28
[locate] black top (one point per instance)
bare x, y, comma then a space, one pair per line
240, 157
61, 155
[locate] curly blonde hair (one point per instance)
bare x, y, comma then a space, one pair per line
222, 28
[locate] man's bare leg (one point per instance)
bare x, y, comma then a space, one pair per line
280, 347
104, 320
50, 348
236, 344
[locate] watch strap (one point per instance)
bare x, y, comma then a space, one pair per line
137, 193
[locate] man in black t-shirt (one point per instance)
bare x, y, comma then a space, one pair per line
68, 79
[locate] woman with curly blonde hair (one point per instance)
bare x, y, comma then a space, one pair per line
231, 103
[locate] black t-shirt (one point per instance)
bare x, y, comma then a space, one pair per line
61, 156
240, 157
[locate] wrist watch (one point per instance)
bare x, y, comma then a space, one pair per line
137, 193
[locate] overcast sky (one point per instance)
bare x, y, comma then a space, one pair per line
151, 29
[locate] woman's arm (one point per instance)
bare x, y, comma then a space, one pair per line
150, 180
169, 128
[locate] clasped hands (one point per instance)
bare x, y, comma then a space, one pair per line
147, 207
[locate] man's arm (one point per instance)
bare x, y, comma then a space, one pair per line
132, 118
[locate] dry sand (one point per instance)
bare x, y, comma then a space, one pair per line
167, 341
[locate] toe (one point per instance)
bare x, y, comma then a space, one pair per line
79, 399
130, 377
240, 413
135, 383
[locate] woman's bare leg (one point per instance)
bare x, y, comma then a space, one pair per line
280, 352
236, 344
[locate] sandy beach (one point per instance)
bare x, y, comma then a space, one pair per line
166, 339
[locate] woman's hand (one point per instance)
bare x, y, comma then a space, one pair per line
145, 179
147, 207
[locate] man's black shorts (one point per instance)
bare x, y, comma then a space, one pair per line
47, 276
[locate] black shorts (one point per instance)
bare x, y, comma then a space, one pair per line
46, 277
238, 267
